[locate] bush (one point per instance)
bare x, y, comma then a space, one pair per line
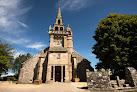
11, 78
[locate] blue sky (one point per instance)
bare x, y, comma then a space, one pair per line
24, 23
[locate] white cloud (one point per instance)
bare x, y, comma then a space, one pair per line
37, 45
24, 25
91, 55
18, 41
9, 74
11, 12
12, 17
17, 53
73, 4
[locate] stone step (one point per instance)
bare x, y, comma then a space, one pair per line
114, 86
113, 82
126, 85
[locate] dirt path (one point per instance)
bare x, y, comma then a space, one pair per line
53, 87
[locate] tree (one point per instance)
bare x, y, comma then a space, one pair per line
116, 46
17, 64
6, 56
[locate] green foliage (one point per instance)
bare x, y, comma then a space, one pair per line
107, 71
76, 77
11, 78
17, 64
6, 56
116, 46
16, 76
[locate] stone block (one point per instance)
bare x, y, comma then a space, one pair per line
126, 85
118, 81
98, 80
131, 76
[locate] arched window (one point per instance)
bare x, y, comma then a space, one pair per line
56, 28
61, 28
58, 21
69, 33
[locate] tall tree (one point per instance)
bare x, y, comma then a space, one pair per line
116, 46
19, 60
6, 56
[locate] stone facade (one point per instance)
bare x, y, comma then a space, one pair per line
131, 76
29, 67
98, 80
59, 62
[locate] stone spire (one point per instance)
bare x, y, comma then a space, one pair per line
59, 13
68, 28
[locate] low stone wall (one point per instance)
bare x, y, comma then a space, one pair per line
131, 76
98, 80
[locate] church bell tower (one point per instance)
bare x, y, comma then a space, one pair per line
60, 52
59, 36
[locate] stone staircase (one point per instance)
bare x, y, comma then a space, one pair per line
114, 83
122, 82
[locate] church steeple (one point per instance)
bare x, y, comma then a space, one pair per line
59, 20
59, 13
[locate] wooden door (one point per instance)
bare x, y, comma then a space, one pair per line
58, 74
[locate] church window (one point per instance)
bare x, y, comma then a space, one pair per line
52, 72
59, 56
69, 33
61, 28
58, 21
56, 28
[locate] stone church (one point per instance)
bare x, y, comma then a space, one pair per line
58, 62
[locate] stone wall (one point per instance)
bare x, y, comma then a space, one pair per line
98, 80
28, 70
54, 60
82, 65
131, 76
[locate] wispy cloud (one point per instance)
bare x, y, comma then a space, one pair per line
22, 24
11, 12
17, 53
18, 41
73, 4
91, 55
37, 45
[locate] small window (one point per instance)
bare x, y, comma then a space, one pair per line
52, 72
59, 56
61, 28
58, 21
56, 28
69, 33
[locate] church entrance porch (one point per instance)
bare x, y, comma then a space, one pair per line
58, 73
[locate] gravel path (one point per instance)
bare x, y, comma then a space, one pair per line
53, 87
